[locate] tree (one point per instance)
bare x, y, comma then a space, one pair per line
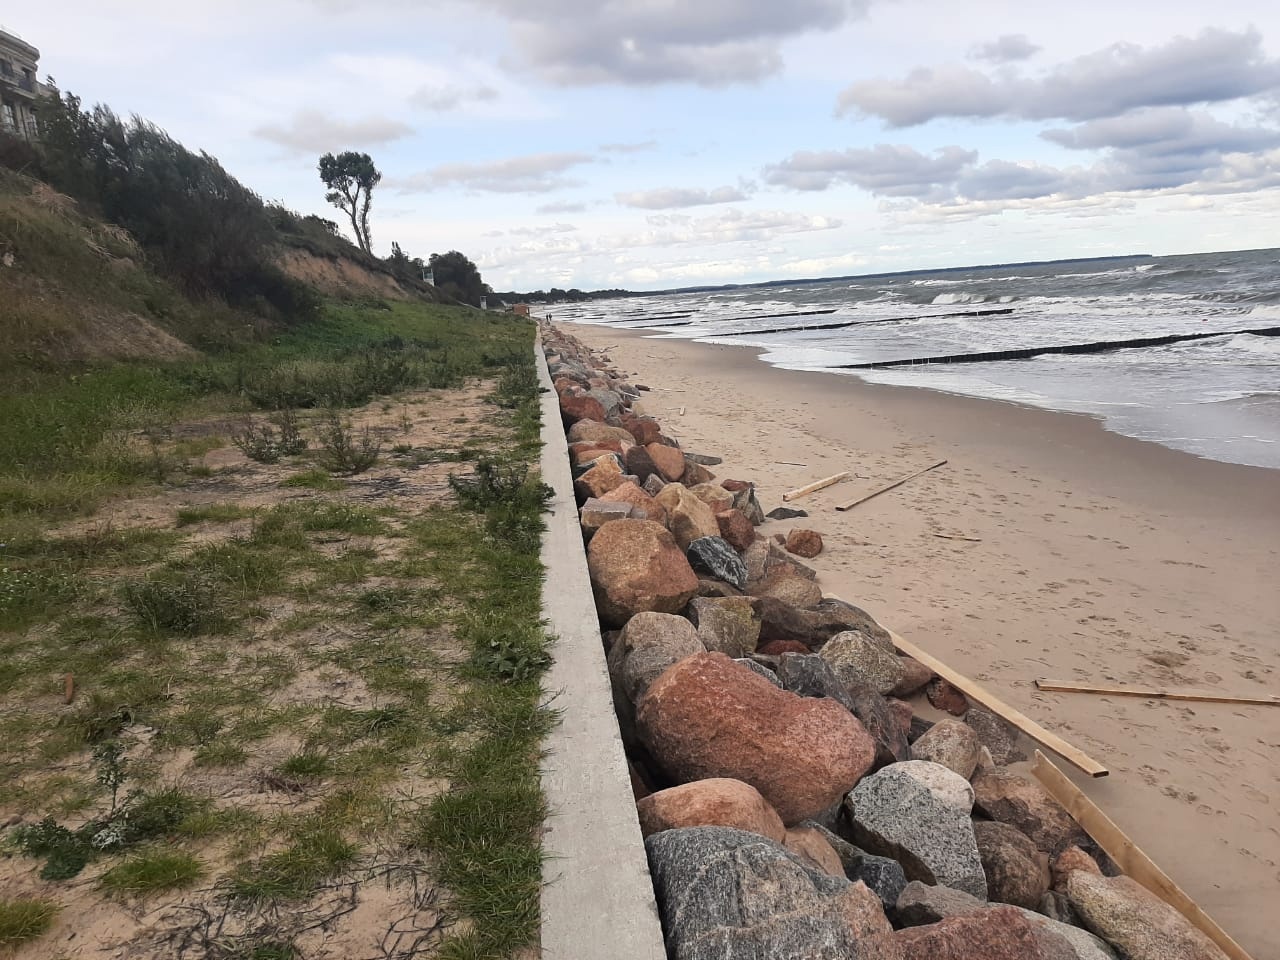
458, 277
351, 178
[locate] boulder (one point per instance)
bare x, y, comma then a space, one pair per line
808, 675
776, 648
946, 697
804, 543
603, 475
645, 507
726, 624
812, 848
915, 677
790, 589
575, 407
688, 518
902, 712
918, 813
1137, 923
584, 454
707, 587
996, 735
713, 495
668, 460
878, 716
654, 484
714, 557
1067, 862
785, 513
639, 463
645, 429
951, 743
595, 431
706, 716
717, 802
596, 513
736, 528
1016, 871
745, 500
646, 647
883, 876
725, 894
859, 660
918, 728
695, 474
815, 625
1022, 803
921, 903
1001, 933
636, 566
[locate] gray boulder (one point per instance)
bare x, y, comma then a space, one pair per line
646, 646
859, 660
951, 743
727, 624
715, 557
761, 669
917, 812
883, 876
996, 735
726, 894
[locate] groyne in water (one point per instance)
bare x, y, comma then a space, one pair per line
855, 323
1023, 353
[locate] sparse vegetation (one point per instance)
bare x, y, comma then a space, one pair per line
344, 450
22, 921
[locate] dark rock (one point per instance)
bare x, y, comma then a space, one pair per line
915, 677
1016, 871
716, 588
883, 876
881, 721
804, 543
945, 697
808, 675
706, 716
745, 500
736, 528
919, 727
815, 626
714, 557
996, 735
653, 486
785, 513
918, 813
695, 474
703, 459
760, 669
922, 903
728, 894
777, 648
639, 463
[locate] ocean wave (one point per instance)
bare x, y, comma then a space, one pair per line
946, 299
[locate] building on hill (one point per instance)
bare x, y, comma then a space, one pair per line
19, 88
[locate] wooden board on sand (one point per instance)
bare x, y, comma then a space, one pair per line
1073, 755
1127, 855
1155, 693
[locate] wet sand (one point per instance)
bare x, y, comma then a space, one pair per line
1100, 559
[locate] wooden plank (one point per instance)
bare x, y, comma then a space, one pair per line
1155, 693
1073, 755
889, 486
1127, 855
816, 485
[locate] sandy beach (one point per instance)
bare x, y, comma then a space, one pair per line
1094, 558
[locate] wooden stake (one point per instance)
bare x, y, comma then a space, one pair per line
68, 688
1127, 855
1072, 755
1155, 693
791, 463
816, 485
956, 536
887, 487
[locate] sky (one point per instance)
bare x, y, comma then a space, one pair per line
651, 144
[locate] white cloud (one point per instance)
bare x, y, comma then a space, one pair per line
1006, 49
670, 198
444, 97
534, 173
314, 132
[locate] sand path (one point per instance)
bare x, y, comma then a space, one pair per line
1100, 559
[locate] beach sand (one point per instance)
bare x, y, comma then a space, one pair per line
1101, 559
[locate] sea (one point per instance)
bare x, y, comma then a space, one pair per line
980, 332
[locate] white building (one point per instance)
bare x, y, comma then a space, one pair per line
19, 89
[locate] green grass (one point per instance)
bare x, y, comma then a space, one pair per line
22, 921
212, 513
317, 853
313, 480
153, 870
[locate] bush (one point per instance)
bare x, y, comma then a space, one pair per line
263, 443
345, 451
184, 605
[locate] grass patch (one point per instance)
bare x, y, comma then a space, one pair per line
317, 853
153, 870
212, 513
175, 605
22, 921
313, 480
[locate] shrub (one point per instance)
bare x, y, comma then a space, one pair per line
22, 921
343, 450
186, 605
264, 443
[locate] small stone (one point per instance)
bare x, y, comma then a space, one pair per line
668, 460
951, 743
1016, 871
946, 697
745, 500
919, 727
1067, 862
728, 625
708, 717
653, 485
695, 474
716, 802
714, 557
858, 660
790, 589
804, 543
785, 513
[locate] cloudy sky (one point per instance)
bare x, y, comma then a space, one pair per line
660, 143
